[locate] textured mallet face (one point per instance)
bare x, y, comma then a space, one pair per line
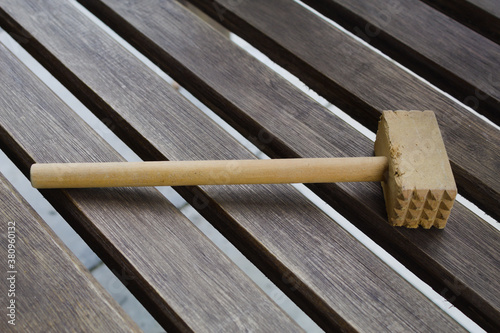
419, 188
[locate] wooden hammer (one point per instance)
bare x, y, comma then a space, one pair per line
411, 162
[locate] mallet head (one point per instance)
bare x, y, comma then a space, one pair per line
419, 187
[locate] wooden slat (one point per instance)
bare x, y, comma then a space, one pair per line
363, 83
285, 122
481, 15
429, 43
174, 270
52, 291
333, 277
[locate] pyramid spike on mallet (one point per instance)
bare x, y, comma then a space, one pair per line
411, 162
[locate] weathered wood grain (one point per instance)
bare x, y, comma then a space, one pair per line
443, 51
482, 16
286, 123
331, 275
52, 290
363, 83
174, 270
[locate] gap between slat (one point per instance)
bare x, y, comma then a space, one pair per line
473, 13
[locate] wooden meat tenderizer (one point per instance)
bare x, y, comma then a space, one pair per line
411, 162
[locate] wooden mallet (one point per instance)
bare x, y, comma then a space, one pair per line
411, 162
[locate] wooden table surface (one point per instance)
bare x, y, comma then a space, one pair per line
429, 57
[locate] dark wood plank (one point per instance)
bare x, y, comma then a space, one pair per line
363, 83
173, 269
429, 43
285, 122
482, 16
52, 291
332, 276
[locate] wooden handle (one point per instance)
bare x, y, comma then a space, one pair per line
178, 173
